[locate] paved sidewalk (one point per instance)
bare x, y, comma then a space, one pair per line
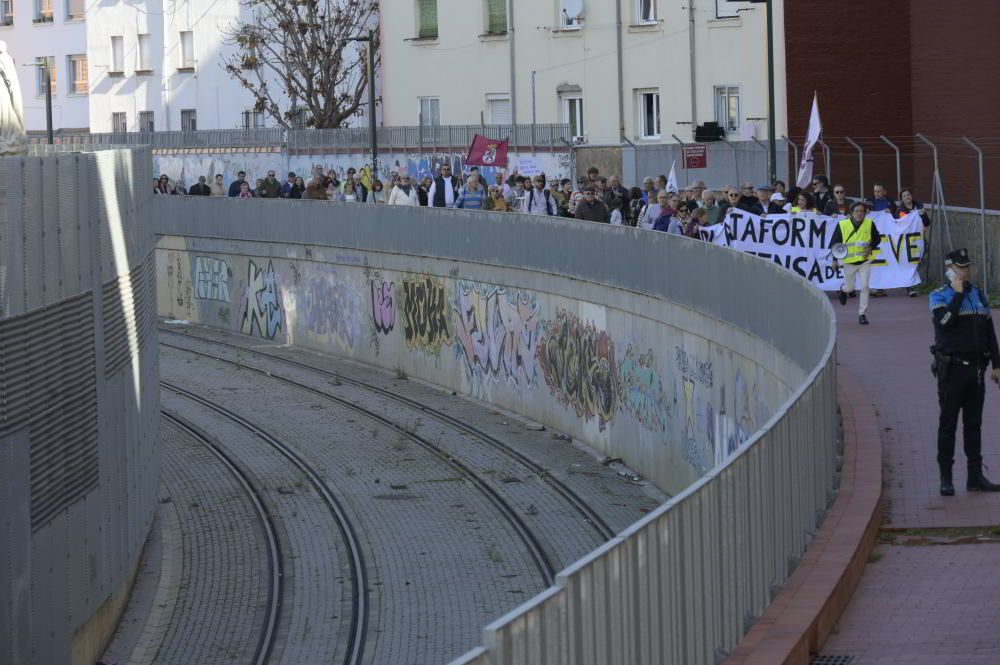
918, 602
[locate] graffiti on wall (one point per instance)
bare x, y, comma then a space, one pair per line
383, 305
640, 390
496, 333
578, 362
425, 313
692, 368
263, 314
212, 278
332, 308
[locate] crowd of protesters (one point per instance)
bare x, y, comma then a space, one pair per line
595, 198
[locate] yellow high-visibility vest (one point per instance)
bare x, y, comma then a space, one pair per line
856, 239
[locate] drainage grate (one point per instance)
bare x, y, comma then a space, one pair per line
832, 660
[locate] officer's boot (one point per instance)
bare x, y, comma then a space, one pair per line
947, 485
977, 482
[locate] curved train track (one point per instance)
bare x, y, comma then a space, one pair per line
541, 559
358, 570
265, 645
571, 497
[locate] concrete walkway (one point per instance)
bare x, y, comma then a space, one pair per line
931, 590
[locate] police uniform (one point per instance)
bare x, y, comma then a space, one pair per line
965, 343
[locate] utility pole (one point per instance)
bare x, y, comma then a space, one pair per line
370, 38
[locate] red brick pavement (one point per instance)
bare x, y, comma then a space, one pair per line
919, 604
890, 358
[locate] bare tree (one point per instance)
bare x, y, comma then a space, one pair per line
295, 49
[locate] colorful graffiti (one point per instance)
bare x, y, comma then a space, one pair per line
263, 314
211, 279
640, 390
496, 332
332, 308
578, 362
384, 307
693, 369
425, 313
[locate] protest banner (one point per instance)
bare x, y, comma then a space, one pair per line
801, 243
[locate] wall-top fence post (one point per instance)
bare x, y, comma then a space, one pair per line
982, 216
736, 160
683, 161
795, 151
767, 157
938, 191
861, 166
899, 170
828, 155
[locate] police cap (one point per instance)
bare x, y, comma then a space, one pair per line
960, 258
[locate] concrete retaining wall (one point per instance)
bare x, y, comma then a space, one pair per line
79, 398
709, 371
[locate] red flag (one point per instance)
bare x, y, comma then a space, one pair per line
487, 152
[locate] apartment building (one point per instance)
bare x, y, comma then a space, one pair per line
615, 70
157, 66
53, 32
127, 65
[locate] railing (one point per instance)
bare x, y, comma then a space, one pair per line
552, 136
684, 584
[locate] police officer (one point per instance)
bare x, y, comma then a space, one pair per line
965, 343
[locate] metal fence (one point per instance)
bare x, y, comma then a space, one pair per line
551, 136
79, 415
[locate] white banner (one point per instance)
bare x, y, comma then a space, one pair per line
801, 243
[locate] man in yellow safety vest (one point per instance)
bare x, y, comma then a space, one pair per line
862, 238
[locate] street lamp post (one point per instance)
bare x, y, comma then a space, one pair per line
44, 69
772, 153
370, 38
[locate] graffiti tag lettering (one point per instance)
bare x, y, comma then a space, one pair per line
383, 307
262, 311
578, 362
497, 332
693, 369
641, 390
425, 314
211, 279
332, 309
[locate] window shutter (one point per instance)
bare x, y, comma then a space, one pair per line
428, 19
497, 15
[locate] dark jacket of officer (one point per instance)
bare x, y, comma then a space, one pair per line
962, 324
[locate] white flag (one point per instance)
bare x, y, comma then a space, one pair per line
672, 179
812, 138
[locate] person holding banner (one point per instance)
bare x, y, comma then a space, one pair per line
861, 237
965, 342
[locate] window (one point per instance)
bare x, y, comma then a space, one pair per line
117, 54
571, 14
145, 55
726, 9
572, 113
430, 112
252, 119
118, 123
496, 17
6, 12
649, 113
189, 120
645, 11
727, 107
146, 121
427, 19
50, 66
498, 109
75, 9
43, 11
187, 49
79, 78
